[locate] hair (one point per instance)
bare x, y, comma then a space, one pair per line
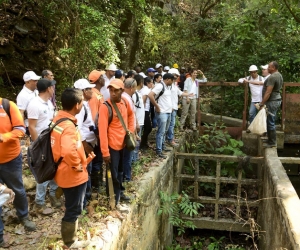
156, 77
136, 67
70, 97
275, 64
147, 80
131, 73
45, 72
168, 76
130, 83
139, 79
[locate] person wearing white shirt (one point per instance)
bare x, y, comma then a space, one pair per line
148, 85
256, 83
264, 71
108, 76
189, 104
159, 69
175, 92
28, 92
160, 97
40, 112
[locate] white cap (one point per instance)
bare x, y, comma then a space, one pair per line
174, 71
30, 75
253, 68
112, 67
158, 65
264, 66
142, 74
83, 84
166, 68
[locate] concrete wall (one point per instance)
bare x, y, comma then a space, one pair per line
280, 207
143, 228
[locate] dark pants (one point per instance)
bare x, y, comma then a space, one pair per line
74, 197
88, 191
97, 170
127, 161
116, 168
11, 175
147, 130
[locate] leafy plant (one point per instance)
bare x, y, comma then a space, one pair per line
175, 206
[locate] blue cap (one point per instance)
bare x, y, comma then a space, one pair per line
151, 70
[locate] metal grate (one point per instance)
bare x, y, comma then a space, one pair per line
216, 222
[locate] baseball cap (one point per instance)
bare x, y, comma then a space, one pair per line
30, 75
112, 67
142, 74
151, 70
116, 83
83, 84
44, 83
175, 65
166, 68
264, 66
119, 73
253, 68
174, 71
95, 75
158, 65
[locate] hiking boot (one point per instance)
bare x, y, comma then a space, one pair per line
28, 225
172, 144
161, 155
124, 197
68, 233
54, 201
165, 149
42, 209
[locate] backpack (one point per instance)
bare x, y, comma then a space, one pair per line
85, 113
161, 92
6, 107
137, 101
110, 116
259, 78
40, 157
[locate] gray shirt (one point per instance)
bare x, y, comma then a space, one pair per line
276, 81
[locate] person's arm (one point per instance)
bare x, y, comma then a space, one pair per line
103, 127
32, 128
144, 99
266, 96
152, 100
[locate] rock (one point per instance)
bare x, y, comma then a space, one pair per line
29, 182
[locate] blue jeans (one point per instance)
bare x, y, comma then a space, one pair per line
163, 122
135, 155
11, 175
252, 111
74, 197
41, 190
273, 107
116, 168
170, 133
127, 160
97, 162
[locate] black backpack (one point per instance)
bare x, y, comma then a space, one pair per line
40, 157
6, 107
161, 92
137, 101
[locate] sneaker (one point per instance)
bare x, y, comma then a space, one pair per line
173, 143
165, 149
54, 201
124, 198
28, 225
42, 209
161, 155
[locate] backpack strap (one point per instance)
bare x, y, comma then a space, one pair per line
161, 92
137, 101
6, 107
85, 113
110, 115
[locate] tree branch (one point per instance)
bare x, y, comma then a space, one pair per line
297, 19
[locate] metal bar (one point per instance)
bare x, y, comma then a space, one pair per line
238, 196
218, 175
227, 84
226, 201
196, 176
283, 108
221, 224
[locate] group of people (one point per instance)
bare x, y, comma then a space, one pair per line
95, 108
265, 91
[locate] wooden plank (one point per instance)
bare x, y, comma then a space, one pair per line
218, 174
220, 224
238, 196
196, 176
289, 160
211, 179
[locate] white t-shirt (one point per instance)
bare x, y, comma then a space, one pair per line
24, 98
42, 111
191, 87
145, 91
256, 90
130, 101
139, 107
104, 90
165, 100
175, 91
84, 126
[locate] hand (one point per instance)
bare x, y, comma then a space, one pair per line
138, 127
90, 157
107, 160
87, 147
11, 194
187, 101
157, 109
191, 94
1, 139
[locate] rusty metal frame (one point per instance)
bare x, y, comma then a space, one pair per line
226, 84
216, 222
286, 84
